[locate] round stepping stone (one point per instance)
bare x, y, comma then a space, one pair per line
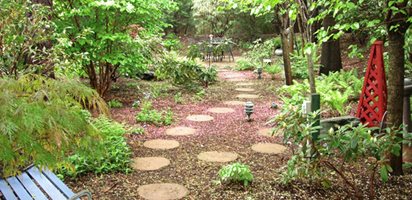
247, 96
265, 132
245, 89
216, 156
245, 84
180, 131
161, 144
234, 103
234, 76
269, 148
199, 118
221, 110
150, 163
236, 80
162, 191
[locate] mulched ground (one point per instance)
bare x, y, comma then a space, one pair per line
227, 132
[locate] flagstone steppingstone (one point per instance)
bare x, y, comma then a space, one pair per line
199, 118
161, 144
245, 89
221, 110
247, 96
234, 76
162, 191
234, 103
217, 156
180, 131
236, 79
149, 163
269, 148
245, 84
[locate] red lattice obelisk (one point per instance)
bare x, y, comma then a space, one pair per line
372, 102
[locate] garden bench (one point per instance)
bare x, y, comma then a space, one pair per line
37, 184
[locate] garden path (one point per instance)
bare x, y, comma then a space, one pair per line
181, 161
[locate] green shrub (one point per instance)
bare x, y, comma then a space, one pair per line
194, 51
172, 42
335, 153
114, 103
137, 130
111, 155
42, 121
236, 172
178, 98
184, 72
243, 64
335, 89
149, 115
273, 69
208, 76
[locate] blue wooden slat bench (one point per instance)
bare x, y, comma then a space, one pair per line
35, 184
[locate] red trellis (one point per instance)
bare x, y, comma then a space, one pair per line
372, 102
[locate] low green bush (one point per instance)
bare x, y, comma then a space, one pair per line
185, 72
114, 103
172, 42
111, 154
236, 172
243, 64
336, 89
149, 115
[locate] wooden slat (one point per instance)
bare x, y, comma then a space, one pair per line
6, 190
31, 187
58, 183
18, 188
45, 184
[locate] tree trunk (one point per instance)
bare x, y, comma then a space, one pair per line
286, 58
330, 56
396, 52
395, 90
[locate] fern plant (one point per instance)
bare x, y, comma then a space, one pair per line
42, 120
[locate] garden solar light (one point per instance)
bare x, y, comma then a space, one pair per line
259, 71
249, 109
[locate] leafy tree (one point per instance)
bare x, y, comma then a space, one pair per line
109, 34
42, 121
23, 28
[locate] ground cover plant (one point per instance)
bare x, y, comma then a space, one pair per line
150, 115
236, 172
111, 154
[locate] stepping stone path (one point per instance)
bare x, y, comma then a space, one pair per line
269, 148
150, 163
245, 84
161, 144
162, 191
247, 96
216, 156
234, 103
199, 118
221, 110
245, 89
180, 131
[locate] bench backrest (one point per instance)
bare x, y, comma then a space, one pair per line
34, 184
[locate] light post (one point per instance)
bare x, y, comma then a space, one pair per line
249, 110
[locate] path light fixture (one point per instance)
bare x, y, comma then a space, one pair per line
259, 72
249, 110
